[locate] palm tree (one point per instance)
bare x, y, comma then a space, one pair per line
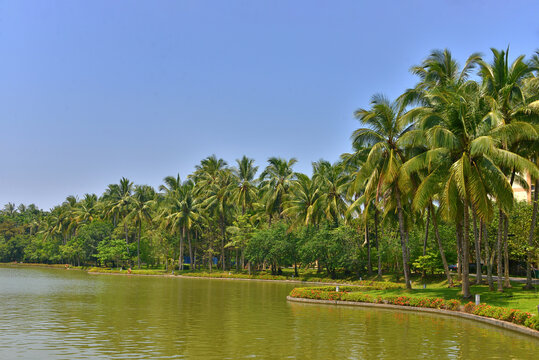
303, 203
333, 183
180, 211
214, 184
504, 91
171, 184
143, 199
118, 204
275, 182
368, 198
464, 159
219, 201
385, 125
10, 209
245, 193
86, 210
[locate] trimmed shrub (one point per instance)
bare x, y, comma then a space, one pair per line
511, 315
350, 293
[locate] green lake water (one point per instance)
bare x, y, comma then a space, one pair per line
68, 314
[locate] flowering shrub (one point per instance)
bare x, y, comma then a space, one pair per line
512, 315
313, 293
349, 293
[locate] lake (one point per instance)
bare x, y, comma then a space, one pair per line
69, 314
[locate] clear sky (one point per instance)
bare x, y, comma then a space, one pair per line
91, 91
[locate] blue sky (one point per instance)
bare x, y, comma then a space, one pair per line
91, 91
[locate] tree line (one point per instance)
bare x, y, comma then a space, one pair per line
428, 183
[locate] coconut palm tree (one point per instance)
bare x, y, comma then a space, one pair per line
385, 124
179, 212
465, 159
214, 184
10, 209
503, 85
275, 182
118, 202
303, 204
143, 200
332, 180
86, 210
245, 194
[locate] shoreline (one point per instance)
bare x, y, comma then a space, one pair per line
180, 276
494, 322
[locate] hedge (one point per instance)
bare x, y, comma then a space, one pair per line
355, 294
511, 315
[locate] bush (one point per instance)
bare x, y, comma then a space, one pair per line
511, 315
349, 293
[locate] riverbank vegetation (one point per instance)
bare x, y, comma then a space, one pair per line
427, 185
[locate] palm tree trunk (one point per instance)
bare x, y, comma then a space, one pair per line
367, 240
477, 238
377, 242
138, 244
488, 258
223, 256
499, 251
191, 258
466, 254
425, 239
404, 237
126, 239
531, 236
458, 230
506, 283
180, 258
440, 246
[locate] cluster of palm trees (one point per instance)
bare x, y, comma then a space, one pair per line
453, 146
448, 150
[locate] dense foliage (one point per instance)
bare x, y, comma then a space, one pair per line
429, 184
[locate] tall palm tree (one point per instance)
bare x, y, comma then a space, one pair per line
179, 213
303, 204
464, 159
275, 182
118, 204
385, 125
245, 194
86, 210
333, 181
214, 184
503, 85
10, 209
143, 200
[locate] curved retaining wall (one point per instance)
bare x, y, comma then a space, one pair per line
495, 322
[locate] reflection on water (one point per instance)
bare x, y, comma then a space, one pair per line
59, 314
